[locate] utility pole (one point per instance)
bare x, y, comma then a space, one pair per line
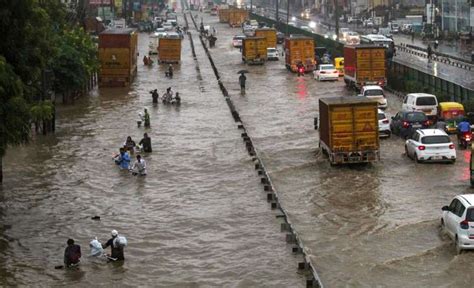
336, 14
287, 16
277, 16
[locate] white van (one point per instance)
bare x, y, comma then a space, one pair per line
422, 102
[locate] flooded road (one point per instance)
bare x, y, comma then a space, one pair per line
199, 219
364, 226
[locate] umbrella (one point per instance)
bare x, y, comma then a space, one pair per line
242, 71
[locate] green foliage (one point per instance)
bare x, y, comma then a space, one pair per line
14, 113
42, 110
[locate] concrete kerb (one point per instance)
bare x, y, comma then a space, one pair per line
272, 194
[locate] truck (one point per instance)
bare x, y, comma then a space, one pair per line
270, 34
254, 50
169, 49
237, 17
348, 129
364, 65
223, 15
299, 48
118, 57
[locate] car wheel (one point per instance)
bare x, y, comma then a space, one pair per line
417, 159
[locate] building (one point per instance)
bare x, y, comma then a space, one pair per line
457, 15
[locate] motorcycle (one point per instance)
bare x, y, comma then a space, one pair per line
465, 139
169, 74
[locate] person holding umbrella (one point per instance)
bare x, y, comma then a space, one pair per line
242, 80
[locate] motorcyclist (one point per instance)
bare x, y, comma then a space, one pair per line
169, 73
463, 127
300, 68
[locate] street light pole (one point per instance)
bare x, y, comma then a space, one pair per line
277, 16
287, 15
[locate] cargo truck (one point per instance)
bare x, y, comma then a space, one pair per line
237, 17
224, 15
348, 129
364, 65
169, 49
298, 49
254, 50
270, 34
118, 57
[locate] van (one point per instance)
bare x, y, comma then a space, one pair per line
426, 103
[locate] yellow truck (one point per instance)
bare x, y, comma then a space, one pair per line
298, 49
224, 15
237, 17
118, 57
169, 50
254, 50
364, 65
270, 34
348, 129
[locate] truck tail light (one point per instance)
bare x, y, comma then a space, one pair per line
421, 147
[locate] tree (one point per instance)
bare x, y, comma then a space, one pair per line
14, 112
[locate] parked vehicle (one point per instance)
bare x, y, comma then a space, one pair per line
430, 145
426, 103
254, 50
352, 38
456, 221
376, 93
299, 49
339, 65
364, 65
237, 40
384, 124
272, 54
326, 72
452, 113
348, 129
404, 123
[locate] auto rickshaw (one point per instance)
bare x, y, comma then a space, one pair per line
339, 65
452, 113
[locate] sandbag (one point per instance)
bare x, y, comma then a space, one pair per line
96, 248
120, 241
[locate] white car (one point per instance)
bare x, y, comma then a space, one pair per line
374, 92
272, 54
167, 26
237, 40
352, 38
326, 72
384, 124
430, 145
457, 221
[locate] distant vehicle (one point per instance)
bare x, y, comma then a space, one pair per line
406, 28
167, 26
272, 54
237, 40
368, 23
430, 145
291, 23
254, 50
376, 39
307, 28
376, 93
306, 14
404, 123
299, 49
421, 102
456, 221
254, 23
395, 28
280, 37
353, 20
214, 11
352, 38
384, 124
364, 65
326, 72
343, 33
385, 31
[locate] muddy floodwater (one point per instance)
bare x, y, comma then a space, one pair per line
198, 219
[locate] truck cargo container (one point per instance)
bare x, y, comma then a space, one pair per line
298, 49
118, 57
364, 65
224, 15
254, 50
270, 34
169, 49
237, 17
348, 129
